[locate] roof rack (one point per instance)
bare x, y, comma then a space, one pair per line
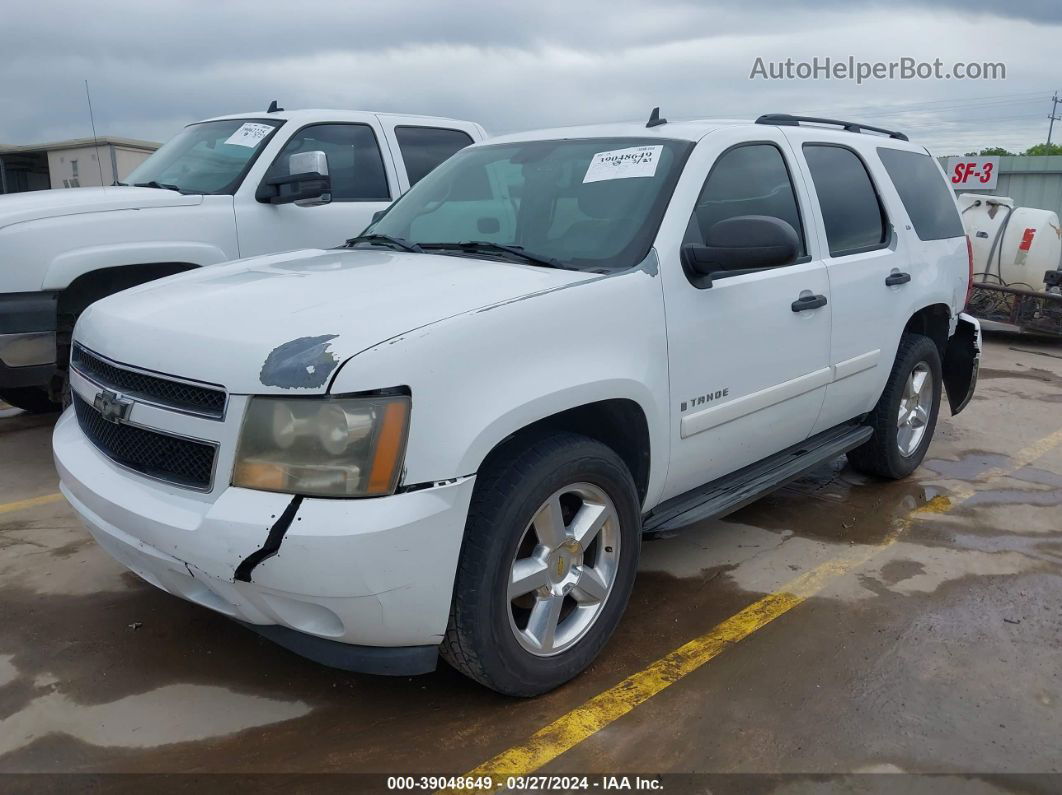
785, 120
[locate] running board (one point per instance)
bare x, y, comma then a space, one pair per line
738, 489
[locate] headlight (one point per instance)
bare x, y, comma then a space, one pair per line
324, 447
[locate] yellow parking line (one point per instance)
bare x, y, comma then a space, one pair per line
570, 729
32, 502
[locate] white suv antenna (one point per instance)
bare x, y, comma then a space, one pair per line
95, 142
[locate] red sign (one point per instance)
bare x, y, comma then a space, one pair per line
973, 173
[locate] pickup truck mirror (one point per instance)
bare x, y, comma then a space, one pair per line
743, 244
308, 179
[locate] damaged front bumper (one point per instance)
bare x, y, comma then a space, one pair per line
356, 584
962, 361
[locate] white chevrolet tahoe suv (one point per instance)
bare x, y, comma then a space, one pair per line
229, 187
450, 434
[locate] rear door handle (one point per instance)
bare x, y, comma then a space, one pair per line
806, 302
896, 279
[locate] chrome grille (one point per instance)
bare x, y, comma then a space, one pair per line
203, 400
155, 454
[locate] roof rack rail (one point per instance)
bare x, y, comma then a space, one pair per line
785, 120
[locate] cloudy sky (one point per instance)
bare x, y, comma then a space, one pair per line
522, 65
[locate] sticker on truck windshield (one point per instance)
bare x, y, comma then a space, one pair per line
638, 161
249, 135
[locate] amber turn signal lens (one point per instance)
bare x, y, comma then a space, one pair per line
390, 444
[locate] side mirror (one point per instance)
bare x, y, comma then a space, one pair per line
376, 216
742, 244
306, 185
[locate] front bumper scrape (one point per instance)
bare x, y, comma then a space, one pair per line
376, 572
962, 360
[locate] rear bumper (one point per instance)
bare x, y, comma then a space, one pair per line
348, 573
27, 339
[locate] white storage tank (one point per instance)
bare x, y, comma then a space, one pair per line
1012, 246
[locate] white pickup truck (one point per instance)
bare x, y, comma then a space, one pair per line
224, 188
451, 433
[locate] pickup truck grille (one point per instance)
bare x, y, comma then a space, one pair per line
155, 454
206, 401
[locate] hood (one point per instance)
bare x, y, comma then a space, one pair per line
39, 204
286, 322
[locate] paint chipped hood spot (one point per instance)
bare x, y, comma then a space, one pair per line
284, 322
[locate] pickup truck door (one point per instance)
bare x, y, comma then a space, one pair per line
870, 268
370, 162
363, 181
747, 356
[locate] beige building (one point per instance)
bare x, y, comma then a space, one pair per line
78, 163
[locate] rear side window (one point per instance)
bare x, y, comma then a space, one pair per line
423, 148
924, 193
851, 210
751, 179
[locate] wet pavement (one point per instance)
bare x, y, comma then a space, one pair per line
942, 653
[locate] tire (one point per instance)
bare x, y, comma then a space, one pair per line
504, 643
31, 399
896, 449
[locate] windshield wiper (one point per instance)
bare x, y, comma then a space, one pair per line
486, 246
154, 184
393, 242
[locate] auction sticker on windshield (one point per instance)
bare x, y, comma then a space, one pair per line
637, 161
249, 135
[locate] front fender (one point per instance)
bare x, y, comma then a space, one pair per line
69, 265
481, 376
962, 359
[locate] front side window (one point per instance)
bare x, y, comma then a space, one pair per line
751, 179
423, 148
591, 204
924, 193
354, 161
851, 211
211, 157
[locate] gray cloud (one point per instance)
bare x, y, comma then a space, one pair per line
514, 66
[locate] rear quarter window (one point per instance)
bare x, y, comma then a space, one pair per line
925, 195
423, 148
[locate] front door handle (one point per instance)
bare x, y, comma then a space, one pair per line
896, 279
806, 302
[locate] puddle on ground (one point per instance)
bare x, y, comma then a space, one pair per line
56, 555
1015, 497
1031, 374
171, 714
8, 671
970, 466
935, 567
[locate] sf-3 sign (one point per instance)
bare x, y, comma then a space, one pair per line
973, 173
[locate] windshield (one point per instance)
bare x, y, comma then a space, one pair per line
211, 157
591, 204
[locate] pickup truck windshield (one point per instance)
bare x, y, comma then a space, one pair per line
211, 157
590, 204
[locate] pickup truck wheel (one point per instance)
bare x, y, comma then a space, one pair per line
547, 565
906, 415
31, 399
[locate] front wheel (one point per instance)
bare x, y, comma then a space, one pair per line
906, 415
547, 566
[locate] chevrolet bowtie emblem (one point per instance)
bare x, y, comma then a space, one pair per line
112, 407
